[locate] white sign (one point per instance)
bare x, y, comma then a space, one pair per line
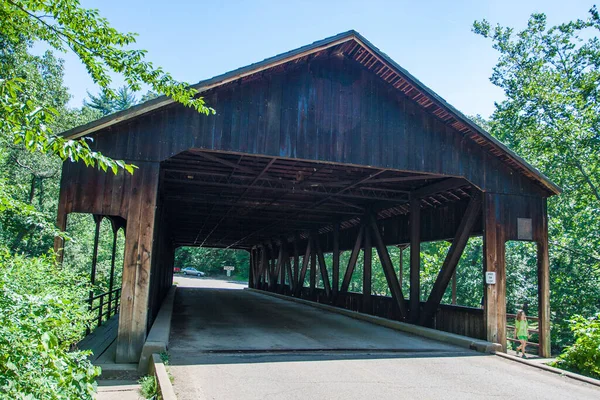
228, 268
490, 278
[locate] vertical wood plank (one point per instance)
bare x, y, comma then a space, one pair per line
493, 258
313, 266
137, 263
367, 274
415, 258
335, 270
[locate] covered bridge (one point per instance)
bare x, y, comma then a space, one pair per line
326, 148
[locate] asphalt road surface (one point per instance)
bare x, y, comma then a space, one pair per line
234, 344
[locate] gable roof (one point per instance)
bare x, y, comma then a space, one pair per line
355, 46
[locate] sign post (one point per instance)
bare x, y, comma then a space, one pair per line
228, 269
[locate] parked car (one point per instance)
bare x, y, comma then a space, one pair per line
192, 271
176, 269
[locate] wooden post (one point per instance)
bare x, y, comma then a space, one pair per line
251, 272
454, 288
543, 269
388, 269
313, 267
415, 258
305, 261
97, 220
115, 229
139, 249
400, 265
352, 260
282, 263
367, 274
494, 307
323, 268
296, 261
335, 269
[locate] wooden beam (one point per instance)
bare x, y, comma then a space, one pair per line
296, 262
442, 186
305, 261
313, 267
290, 276
459, 243
494, 244
315, 204
323, 268
142, 193
415, 258
251, 270
367, 274
454, 288
335, 268
352, 260
388, 269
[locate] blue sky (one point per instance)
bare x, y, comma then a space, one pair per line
195, 40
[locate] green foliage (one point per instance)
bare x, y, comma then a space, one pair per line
583, 356
41, 317
148, 387
212, 261
107, 104
551, 116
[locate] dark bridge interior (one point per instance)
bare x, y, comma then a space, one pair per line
238, 200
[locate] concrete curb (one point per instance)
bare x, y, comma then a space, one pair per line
548, 368
163, 382
446, 337
158, 337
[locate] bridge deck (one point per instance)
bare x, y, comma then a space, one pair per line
232, 344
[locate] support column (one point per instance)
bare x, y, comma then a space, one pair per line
313, 267
494, 303
454, 288
97, 220
115, 230
139, 248
367, 273
415, 258
251, 269
296, 262
335, 269
543, 269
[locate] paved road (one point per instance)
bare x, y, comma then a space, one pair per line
232, 344
194, 281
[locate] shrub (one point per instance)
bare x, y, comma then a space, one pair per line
583, 356
41, 316
148, 387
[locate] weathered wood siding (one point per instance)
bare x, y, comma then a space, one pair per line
327, 109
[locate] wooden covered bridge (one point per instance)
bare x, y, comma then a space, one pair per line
327, 148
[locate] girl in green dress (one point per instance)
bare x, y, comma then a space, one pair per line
521, 332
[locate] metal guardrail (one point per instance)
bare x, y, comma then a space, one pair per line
106, 308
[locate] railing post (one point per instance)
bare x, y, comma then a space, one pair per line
98, 220
115, 229
100, 309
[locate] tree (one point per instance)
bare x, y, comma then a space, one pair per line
106, 104
551, 116
65, 25
42, 313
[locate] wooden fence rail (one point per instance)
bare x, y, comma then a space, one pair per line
107, 305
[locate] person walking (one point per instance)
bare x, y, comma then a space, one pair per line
521, 331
